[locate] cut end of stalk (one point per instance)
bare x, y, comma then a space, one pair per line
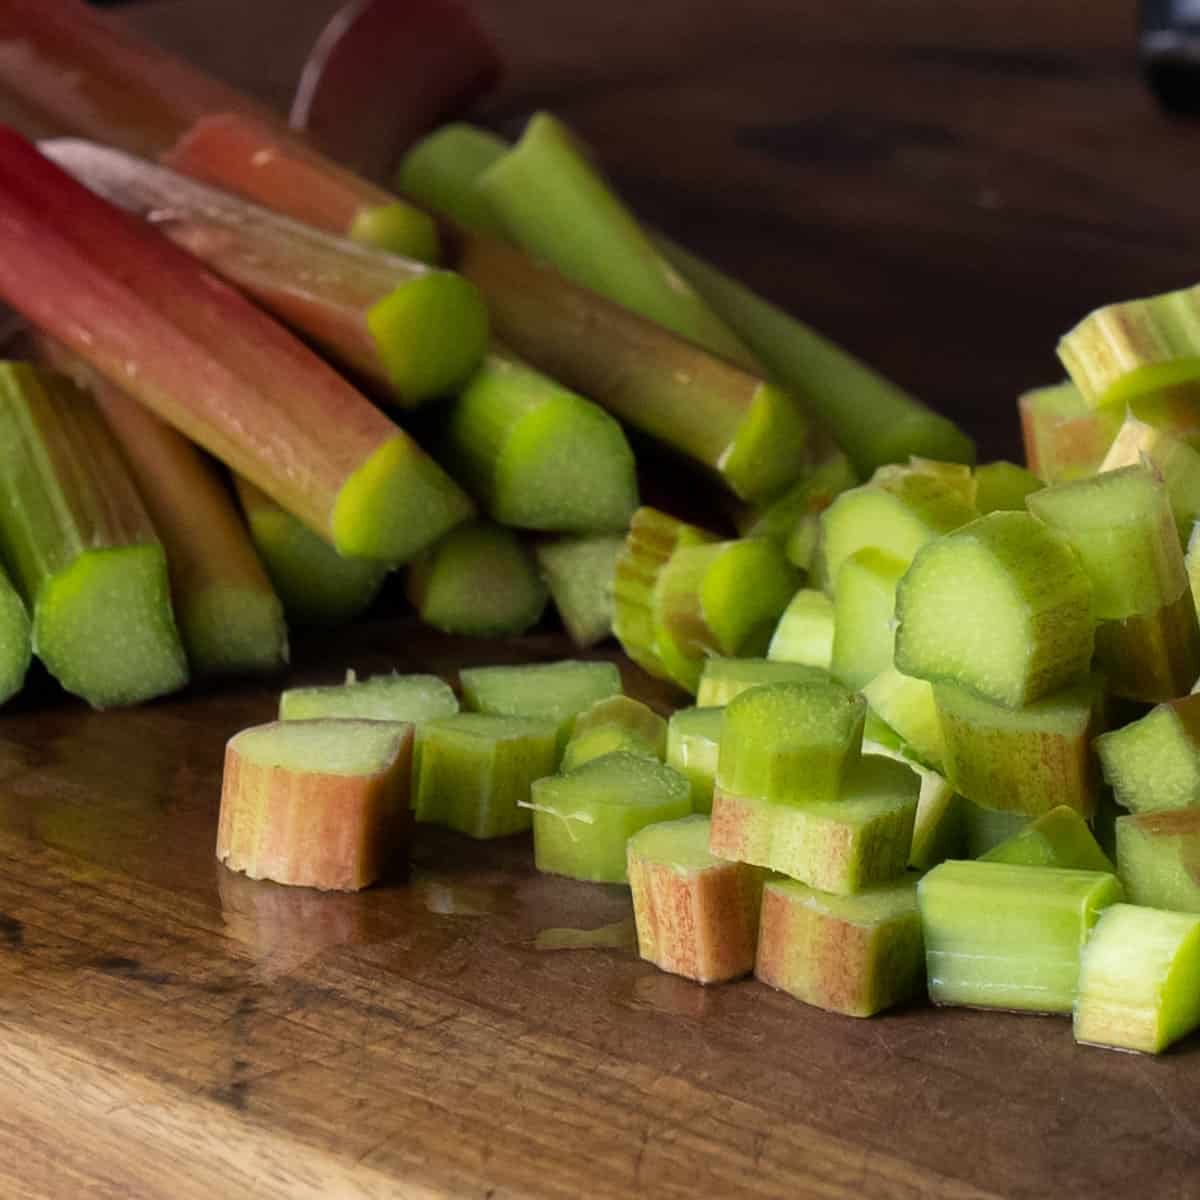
233, 631
396, 504
771, 447
103, 627
579, 573
398, 229
431, 334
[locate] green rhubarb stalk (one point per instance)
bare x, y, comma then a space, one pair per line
1153, 763
999, 935
1121, 528
250, 157
476, 772
1125, 350
906, 705
316, 585
1177, 463
725, 678
724, 598
579, 571
441, 172
146, 316
81, 547
616, 723
897, 511
535, 455
1064, 437
1024, 760
16, 644
693, 744
1002, 487
1000, 606
479, 580
805, 631
1158, 858
551, 200
1139, 980
321, 804
411, 698
557, 692
790, 743
696, 915
864, 610
582, 822
854, 955
1059, 838
987, 828
229, 616
872, 419
417, 332
653, 537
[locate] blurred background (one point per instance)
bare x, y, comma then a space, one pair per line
944, 188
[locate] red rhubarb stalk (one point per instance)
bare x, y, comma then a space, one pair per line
149, 318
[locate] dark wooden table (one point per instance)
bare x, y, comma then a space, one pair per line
945, 188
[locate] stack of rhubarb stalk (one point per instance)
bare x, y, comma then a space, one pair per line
914, 676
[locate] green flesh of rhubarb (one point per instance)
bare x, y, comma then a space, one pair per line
987, 828
871, 418
1139, 982
724, 598
790, 742
804, 633
693, 743
440, 173
397, 228
1064, 437
583, 821
897, 511
1026, 760
1158, 858
550, 200
579, 573
1005, 936
536, 455
557, 692
412, 698
81, 547
1123, 351
906, 705
476, 772
855, 955
725, 678
863, 611
1002, 487
479, 580
1059, 838
1175, 460
316, 585
618, 723
1153, 764
1001, 606
16, 646
844, 845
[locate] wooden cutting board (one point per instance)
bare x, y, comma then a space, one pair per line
945, 187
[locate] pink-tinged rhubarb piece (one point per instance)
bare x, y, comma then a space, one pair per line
383, 73
417, 331
253, 159
322, 803
73, 71
696, 915
229, 617
148, 318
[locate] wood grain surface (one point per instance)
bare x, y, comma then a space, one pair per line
944, 187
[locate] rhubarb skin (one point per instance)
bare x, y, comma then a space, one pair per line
228, 614
696, 915
251, 157
853, 955
16, 639
1158, 858
306, 826
430, 60
149, 319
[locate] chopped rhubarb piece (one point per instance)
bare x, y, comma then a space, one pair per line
696, 915
319, 804
253, 159
147, 317
383, 74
